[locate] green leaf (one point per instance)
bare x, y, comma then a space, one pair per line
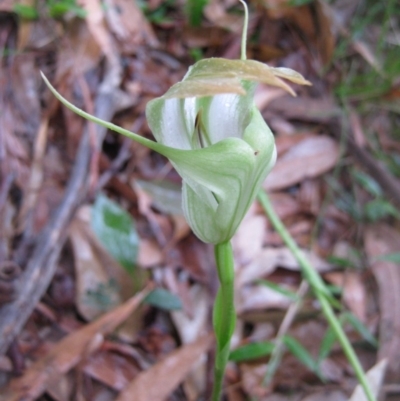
326, 344
301, 353
330, 337
340, 262
115, 229
361, 328
194, 10
380, 208
278, 288
25, 11
367, 182
252, 351
163, 299
59, 9
298, 3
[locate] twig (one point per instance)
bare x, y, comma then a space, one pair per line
287, 321
41, 266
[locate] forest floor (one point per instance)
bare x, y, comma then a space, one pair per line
105, 294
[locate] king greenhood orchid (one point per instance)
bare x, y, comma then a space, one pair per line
227, 148
208, 126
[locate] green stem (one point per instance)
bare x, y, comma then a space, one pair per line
224, 317
320, 291
244, 32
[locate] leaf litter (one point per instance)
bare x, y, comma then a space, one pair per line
85, 338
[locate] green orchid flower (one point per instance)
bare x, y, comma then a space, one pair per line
207, 125
229, 148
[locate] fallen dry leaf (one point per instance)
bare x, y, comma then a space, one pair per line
249, 238
149, 254
128, 23
286, 142
271, 258
217, 14
68, 353
313, 20
320, 110
381, 240
265, 94
354, 292
310, 158
252, 377
192, 325
326, 395
252, 298
81, 52
375, 378
156, 383
112, 369
285, 205
97, 26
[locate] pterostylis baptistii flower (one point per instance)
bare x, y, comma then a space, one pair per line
208, 126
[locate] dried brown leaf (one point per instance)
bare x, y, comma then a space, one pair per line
354, 292
82, 51
69, 352
159, 381
253, 298
286, 142
310, 158
271, 258
313, 20
192, 324
128, 23
248, 240
381, 240
320, 110
111, 369
149, 253
96, 23
326, 395
375, 377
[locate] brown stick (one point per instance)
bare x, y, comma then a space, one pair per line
41, 266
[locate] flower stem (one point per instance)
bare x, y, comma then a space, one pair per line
320, 291
244, 32
224, 317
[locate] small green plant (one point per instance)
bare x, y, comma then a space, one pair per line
377, 207
194, 11
53, 8
159, 14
